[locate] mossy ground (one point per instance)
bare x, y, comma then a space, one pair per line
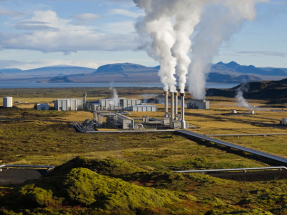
146, 160
85, 186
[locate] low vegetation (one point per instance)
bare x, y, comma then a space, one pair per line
110, 186
134, 173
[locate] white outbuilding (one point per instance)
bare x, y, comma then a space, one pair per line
7, 102
68, 104
42, 106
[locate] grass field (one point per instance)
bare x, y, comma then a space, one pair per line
35, 137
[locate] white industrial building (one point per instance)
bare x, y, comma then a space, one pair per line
123, 104
7, 102
68, 104
144, 108
198, 104
117, 120
42, 106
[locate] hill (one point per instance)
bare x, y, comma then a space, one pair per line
63, 79
123, 67
235, 67
275, 91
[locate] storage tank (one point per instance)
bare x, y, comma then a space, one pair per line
7, 102
234, 111
252, 112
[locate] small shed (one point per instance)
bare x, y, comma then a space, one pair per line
42, 106
7, 102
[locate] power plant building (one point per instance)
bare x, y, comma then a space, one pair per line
68, 104
198, 104
123, 104
144, 108
43, 107
7, 102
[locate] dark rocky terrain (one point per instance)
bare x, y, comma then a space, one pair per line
275, 91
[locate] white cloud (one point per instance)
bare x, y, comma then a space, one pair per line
86, 17
33, 25
119, 27
59, 35
26, 65
125, 13
9, 63
67, 41
264, 53
11, 13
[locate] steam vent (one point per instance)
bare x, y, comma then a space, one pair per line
172, 118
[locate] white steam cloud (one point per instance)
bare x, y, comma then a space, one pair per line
167, 28
115, 96
241, 101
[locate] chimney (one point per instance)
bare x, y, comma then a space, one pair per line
85, 98
176, 105
172, 105
166, 103
183, 124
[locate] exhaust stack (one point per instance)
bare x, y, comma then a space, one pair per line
183, 124
176, 105
172, 105
166, 103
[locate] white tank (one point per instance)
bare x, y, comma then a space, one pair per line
7, 102
234, 111
252, 112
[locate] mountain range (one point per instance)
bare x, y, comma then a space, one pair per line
126, 73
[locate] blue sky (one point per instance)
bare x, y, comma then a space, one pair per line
90, 33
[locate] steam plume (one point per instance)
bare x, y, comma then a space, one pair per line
219, 22
241, 102
115, 96
168, 25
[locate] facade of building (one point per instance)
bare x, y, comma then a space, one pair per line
7, 102
123, 104
144, 108
198, 104
68, 104
42, 106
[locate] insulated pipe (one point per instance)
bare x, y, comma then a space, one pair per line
166, 103
176, 105
183, 124
172, 105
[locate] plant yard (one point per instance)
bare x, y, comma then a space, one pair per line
134, 173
